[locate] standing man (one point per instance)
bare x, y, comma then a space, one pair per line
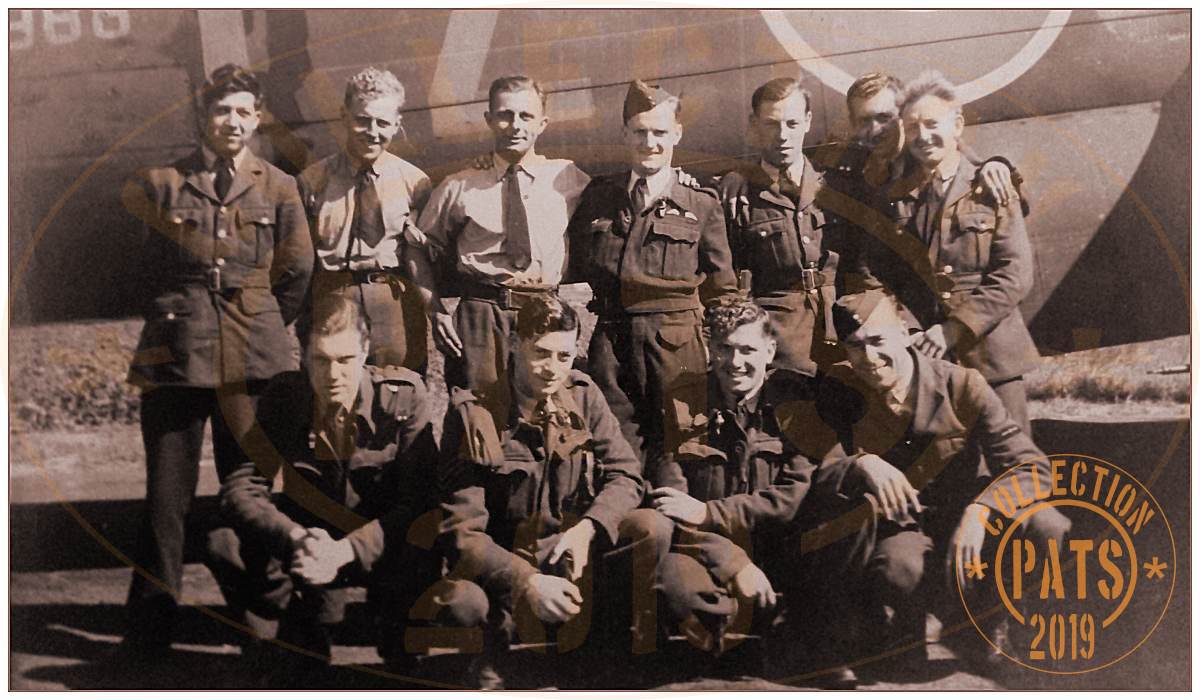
540, 525
502, 224
655, 253
779, 231
909, 431
226, 259
966, 262
360, 204
357, 453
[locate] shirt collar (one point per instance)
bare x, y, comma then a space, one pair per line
797, 171
210, 158
528, 164
948, 167
658, 185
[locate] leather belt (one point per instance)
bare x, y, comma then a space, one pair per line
507, 298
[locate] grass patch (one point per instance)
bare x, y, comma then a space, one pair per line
1118, 374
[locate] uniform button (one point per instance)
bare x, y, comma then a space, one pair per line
264, 220
806, 239
947, 269
762, 234
178, 220
220, 261
221, 233
170, 315
945, 295
222, 210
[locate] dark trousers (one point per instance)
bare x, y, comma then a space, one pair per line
394, 313
799, 322
488, 334
652, 369
173, 420
619, 602
1012, 395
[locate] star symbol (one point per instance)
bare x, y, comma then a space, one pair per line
1155, 568
975, 569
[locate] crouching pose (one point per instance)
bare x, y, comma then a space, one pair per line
912, 429
735, 491
546, 546
357, 453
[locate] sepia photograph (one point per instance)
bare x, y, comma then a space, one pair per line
657, 348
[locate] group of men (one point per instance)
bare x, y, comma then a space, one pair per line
800, 342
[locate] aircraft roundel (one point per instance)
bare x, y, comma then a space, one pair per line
981, 52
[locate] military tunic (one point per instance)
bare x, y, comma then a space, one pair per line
651, 273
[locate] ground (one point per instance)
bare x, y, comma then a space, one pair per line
77, 476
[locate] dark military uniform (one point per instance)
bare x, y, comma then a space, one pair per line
791, 245
367, 474
222, 279
963, 259
753, 480
949, 417
511, 490
651, 273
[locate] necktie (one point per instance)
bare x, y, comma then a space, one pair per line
224, 177
789, 187
367, 225
516, 221
641, 193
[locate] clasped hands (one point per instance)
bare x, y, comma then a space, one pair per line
317, 557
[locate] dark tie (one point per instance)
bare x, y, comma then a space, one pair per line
224, 177
367, 225
788, 187
516, 221
641, 193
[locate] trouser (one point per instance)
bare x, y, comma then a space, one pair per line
1012, 395
908, 565
619, 602
652, 369
394, 313
173, 420
799, 322
489, 340
257, 586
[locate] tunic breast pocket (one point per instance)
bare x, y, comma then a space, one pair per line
671, 251
976, 230
773, 243
606, 244
256, 233
185, 228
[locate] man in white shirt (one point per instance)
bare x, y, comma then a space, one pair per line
360, 202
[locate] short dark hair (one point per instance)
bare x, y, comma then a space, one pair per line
872, 84
333, 314
545, 313
725, 318
779, 89
514, 83
229, 79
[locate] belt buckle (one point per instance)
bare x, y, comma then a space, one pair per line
376, 277
505, 298
214, 279
808, 278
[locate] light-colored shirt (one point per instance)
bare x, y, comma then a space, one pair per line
658, 185
795, 172
467, 209
403, 190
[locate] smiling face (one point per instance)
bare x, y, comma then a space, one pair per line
516, 119
778, 129
878, 350
229, 123
335, 366
741, 358
371, 124
544, 362
871, 116
651, 137
932, 127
